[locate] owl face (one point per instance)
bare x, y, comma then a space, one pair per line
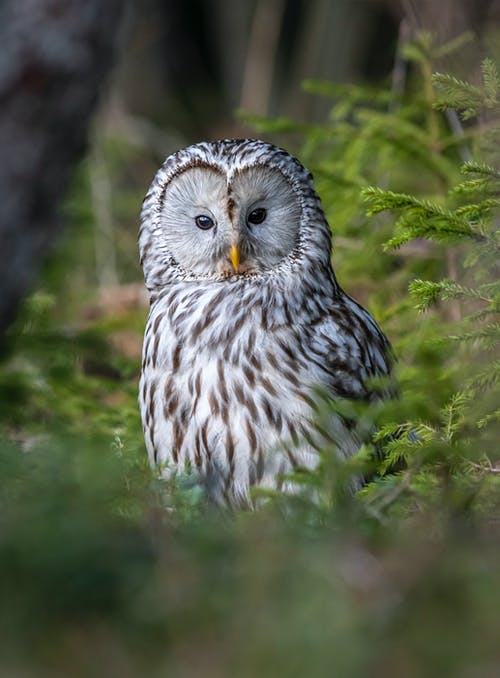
220, 223
232, 210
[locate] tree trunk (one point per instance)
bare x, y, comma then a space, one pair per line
54, 57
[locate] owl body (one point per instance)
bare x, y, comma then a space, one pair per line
247, 321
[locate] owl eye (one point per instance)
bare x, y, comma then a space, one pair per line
204, 222
257, 216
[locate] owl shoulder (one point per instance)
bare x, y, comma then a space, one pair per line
351, 348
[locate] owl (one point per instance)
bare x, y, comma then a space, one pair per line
247, 322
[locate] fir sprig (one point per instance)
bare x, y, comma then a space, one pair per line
463, 214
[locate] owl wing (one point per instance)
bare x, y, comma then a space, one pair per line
350, 350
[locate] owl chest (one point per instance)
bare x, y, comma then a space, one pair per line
242, 377
225, 395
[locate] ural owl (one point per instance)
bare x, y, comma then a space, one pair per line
247, 321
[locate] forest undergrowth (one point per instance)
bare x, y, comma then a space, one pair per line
106, 570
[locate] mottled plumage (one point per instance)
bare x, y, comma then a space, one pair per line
247, 320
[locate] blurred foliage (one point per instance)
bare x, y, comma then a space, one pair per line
105, 570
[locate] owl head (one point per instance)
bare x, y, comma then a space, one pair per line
231, 210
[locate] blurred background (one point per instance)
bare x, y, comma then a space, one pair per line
126, 83
103, 569
205, 60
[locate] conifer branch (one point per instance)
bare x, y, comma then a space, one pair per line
477, 167
427, 293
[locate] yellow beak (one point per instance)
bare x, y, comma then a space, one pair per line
234, 255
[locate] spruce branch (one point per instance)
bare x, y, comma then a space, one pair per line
476, 187
491, 418
477, 167
381, 200
453, 414
421, 218
356, 94
457, 94
454, 45
488, 335
478, 211
491, 82
426, 293
487, 378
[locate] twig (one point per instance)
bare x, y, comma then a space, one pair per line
488, 469
391, 497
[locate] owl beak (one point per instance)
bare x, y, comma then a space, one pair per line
234, 255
